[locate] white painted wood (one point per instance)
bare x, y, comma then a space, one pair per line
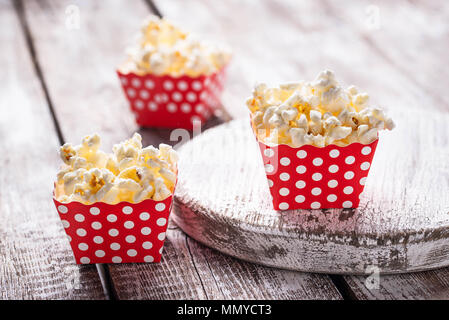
402, 224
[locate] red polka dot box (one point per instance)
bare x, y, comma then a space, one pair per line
312, 178
172, 102
120, 233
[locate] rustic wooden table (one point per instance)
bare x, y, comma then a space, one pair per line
59, 83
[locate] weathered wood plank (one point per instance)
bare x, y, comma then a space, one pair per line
35, 257
414, 286
90, 99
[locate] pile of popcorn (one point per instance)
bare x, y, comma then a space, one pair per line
163, 48
131, 173
318, 113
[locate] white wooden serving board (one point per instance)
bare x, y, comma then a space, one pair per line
402, 223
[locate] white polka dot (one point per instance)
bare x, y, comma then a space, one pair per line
270, 183
139, 104
347, 204
366, 150
362, 181
317, 162
168, 85
171, 107
196, 85
149, 84
331, 198
131, 92
147, 245
70, 238
348, 190
315, 205
95, 211
301, 154
269, 168
81, 232
144, 216
182, 85
144, 94
283, 206
128, 224
148, 259
186, 107
285, 161
317, 176
100, 253
115, 246
161, 236
284, 176
268, 152
131, 253
130, 239
177, 96
145, 231
284, 191
127, 210
349, 175
349, 159
160, 250
316, 191
84, 260
65, 224
98, 239
332, 183
333, 168
111, 218
334, 153
152, 106
161, 222
62, 209
124, 80
116, 259
199, 108
83, 246
191, 96
300, 198
135, 82
300, 184
79, 217
160, 207
113, 232
96, 225
301, 169
365, 165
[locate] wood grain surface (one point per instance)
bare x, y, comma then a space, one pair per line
223, 201
90, 99
69, 73
35, 258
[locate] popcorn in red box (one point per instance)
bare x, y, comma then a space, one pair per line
317, 141
115, 207
172, 79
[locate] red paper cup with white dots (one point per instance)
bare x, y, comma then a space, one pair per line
172, 102
116, 233
309, 177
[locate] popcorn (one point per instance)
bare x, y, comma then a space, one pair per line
319, 113
163, 48
131, 173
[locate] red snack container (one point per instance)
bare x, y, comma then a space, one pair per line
116, 233
172, 102
310, 177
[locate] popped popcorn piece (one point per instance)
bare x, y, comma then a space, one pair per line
320, 112
163, 48
131, 173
